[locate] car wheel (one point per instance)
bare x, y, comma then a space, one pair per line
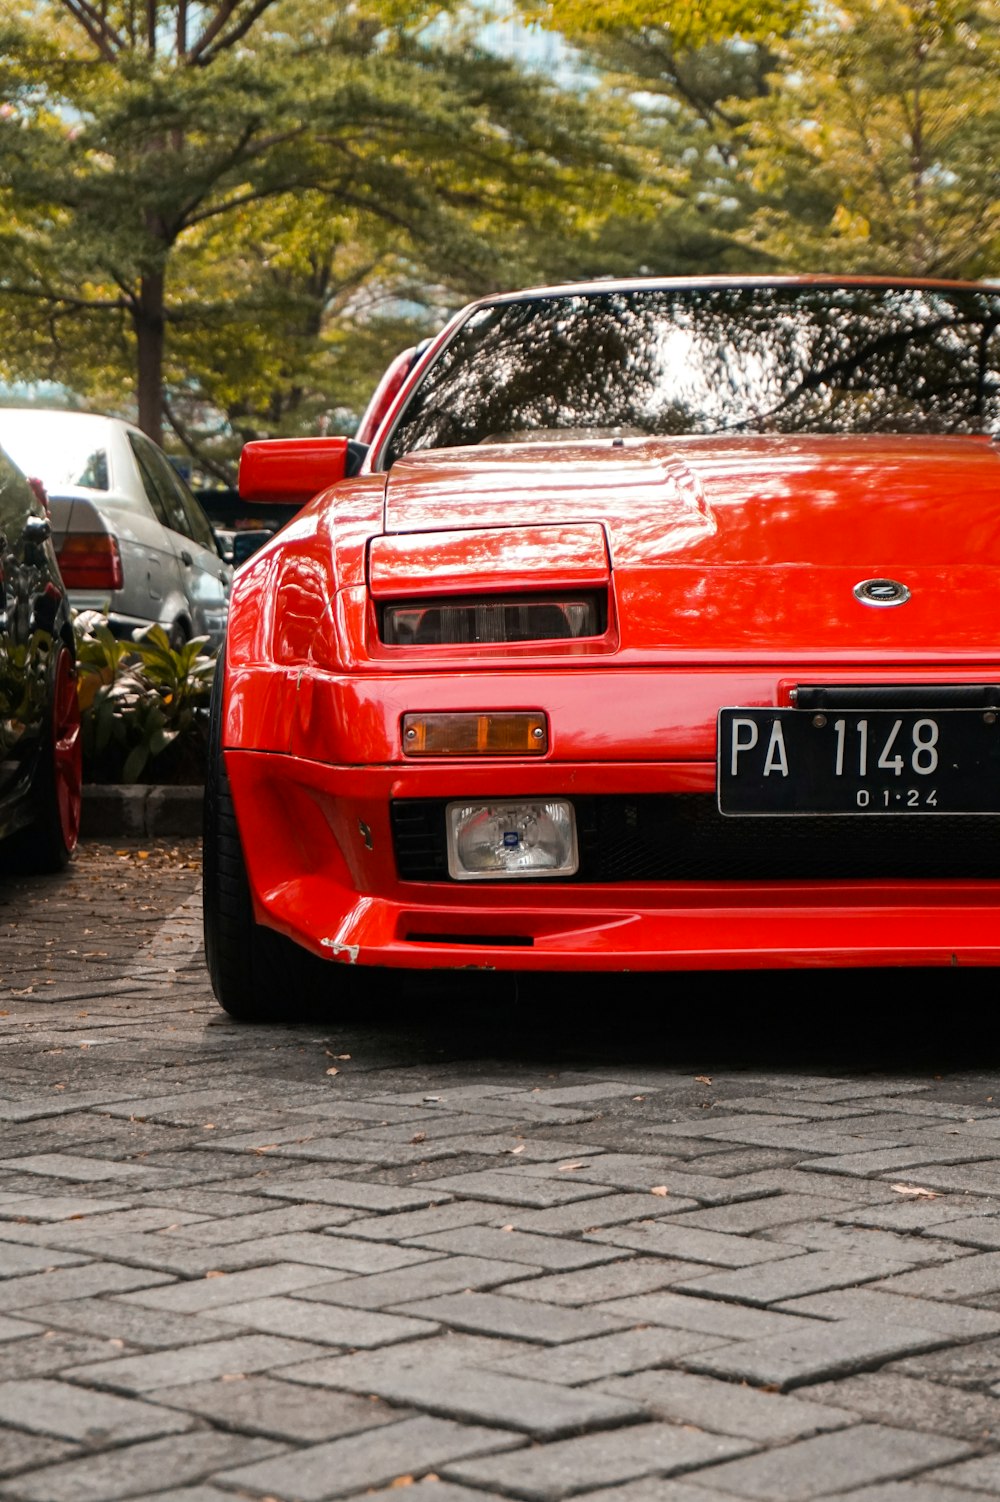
257, 975
47, 843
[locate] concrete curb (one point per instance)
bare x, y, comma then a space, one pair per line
144, 812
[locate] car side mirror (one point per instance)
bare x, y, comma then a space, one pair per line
247, 543
290, 471
223, 547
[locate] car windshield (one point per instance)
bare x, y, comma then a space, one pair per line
59, 453
712, 359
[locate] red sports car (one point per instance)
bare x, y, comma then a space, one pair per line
657, 628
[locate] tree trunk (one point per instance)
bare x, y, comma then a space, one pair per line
147, 320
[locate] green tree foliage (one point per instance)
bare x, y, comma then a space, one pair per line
852, 135
875, 148
685, 77
689, 26
691, 108
194, 196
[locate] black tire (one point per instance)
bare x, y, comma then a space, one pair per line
257, 975
46, 844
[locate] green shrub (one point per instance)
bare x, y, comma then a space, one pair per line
143, 704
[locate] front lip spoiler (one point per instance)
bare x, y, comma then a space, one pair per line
787, 926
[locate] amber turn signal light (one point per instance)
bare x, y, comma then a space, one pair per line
471, 734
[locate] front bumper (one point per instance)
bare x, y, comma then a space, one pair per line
319, 850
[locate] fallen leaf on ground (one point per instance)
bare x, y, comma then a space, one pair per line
419, 1137
514, 1150
703, 1079
661, 1190
912, 1191
333, 1071
566, 1167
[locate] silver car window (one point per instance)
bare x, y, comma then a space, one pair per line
197, 525
152, 480
57, 453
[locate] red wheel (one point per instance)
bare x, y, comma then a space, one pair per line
48, 841
67, 756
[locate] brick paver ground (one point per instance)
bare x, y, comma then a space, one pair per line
688, 1239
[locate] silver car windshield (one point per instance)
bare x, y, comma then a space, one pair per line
712, 360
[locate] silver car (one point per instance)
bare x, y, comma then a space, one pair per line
132, 540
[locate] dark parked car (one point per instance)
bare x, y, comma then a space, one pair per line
40, 772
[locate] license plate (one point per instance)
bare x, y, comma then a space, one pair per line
877, 761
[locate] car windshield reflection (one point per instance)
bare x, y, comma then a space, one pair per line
713, 360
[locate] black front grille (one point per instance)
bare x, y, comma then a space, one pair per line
418, 834
683, 837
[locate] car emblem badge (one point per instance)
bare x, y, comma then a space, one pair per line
881, 592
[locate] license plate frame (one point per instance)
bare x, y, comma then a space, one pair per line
783, 762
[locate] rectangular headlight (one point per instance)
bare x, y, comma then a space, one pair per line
511, 839
510, 618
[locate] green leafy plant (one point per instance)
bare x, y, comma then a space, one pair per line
143, 704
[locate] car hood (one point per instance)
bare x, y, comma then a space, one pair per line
726, 542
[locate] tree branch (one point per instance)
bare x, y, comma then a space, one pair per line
64, 300
215, 39
104, 37
220, 471
213, 28
234, 34
255, 195
252, 195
